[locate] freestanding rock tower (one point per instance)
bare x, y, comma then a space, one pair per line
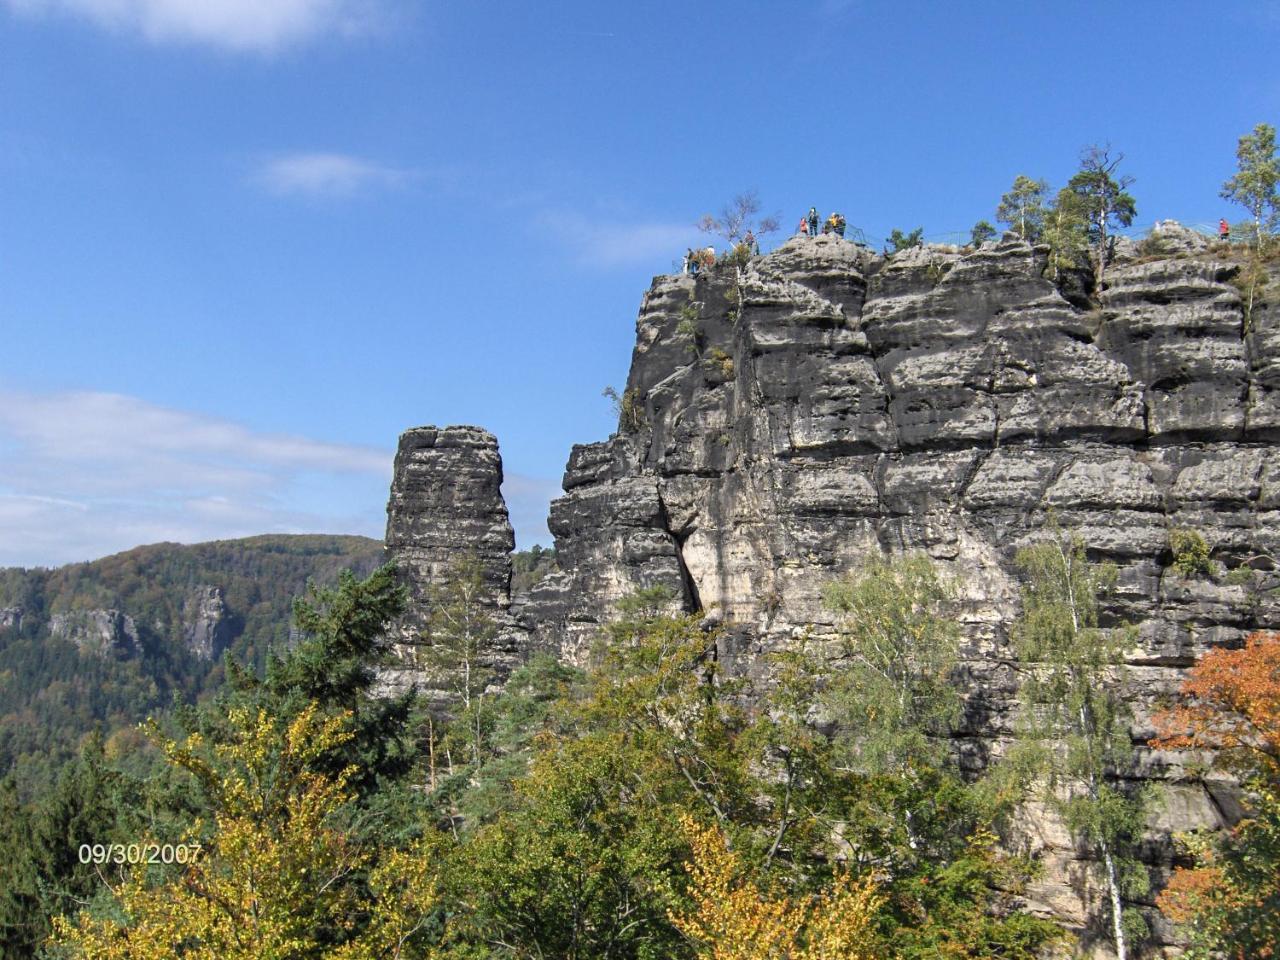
446, 504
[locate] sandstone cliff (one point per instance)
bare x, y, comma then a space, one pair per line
785, 417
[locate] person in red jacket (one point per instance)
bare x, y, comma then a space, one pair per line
1224, 231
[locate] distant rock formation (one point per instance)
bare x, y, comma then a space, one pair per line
784, 419
205, 624
97, 631
11, 618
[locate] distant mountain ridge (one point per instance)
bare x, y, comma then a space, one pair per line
99, 645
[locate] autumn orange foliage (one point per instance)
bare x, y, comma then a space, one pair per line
1236, 703
1227, 900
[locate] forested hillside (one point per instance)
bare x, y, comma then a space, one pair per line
98, 646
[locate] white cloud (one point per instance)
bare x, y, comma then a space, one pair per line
242, 25
326, 174
87, 474
611, 244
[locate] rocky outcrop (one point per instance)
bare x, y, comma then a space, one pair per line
783, 420
446, 506
206, 626
11, 618
104, 632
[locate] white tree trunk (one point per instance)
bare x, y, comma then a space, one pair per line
1113, 888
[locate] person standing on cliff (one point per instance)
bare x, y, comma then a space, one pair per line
803, 229
813, 221
1224, 231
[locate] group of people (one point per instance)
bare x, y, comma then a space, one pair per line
705, 257
695, 260
835, 223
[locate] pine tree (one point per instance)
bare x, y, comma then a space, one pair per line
1102, 200
1023, 207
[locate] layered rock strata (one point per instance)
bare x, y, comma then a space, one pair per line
786, 418
446, 507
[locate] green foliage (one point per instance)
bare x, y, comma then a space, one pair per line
982, 232
530, 566
721, 361
1190, 553
898, 647
899, 241
455, 648
1022, 209
1254, 185
39, 847
52, 694
689, 327
1066, 231
629, 408
585, 865
1098, 195
1076, 723
563, 834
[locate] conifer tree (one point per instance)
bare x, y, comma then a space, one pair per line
1101, 197
1023, 207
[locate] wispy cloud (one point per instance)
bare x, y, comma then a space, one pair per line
241, 25
87, 474
612, 243
528, 500
327, 175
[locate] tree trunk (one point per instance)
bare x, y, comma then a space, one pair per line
1113, 888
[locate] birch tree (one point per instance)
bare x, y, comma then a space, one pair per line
1076, 725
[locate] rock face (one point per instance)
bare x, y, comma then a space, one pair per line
785, 418
98, 631
446, 506
782, 421
11, 618
205, 625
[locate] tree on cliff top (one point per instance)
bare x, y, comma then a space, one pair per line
1254, 186
1102, 200
738, 217
1022, 208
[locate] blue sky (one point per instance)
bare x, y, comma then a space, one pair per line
245, 243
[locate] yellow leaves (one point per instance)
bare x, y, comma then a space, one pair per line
734, 918
277, 878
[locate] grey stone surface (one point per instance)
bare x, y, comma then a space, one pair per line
825, 402
834, 402
445, 506
97, 631
205, 624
